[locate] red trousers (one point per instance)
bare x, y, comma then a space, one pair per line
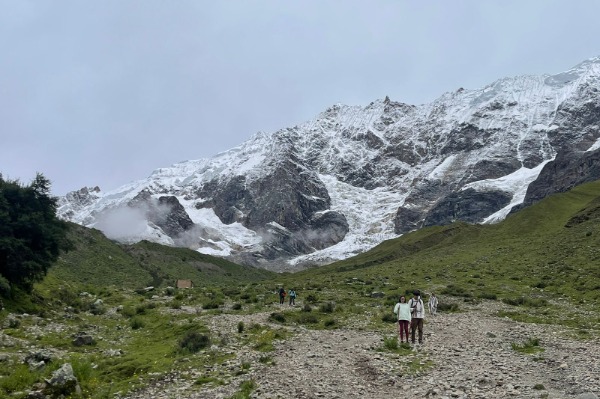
403, 329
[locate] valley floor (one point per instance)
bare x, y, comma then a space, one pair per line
465, 355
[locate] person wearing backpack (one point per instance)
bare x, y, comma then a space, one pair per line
282, 295
417, 310
402, 310
292, 294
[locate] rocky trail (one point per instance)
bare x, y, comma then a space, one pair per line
465, 355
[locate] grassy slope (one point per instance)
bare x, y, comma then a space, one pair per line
99, 261
532, 253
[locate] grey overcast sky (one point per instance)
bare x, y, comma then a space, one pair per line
104, 92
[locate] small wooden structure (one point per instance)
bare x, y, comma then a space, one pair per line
184, 284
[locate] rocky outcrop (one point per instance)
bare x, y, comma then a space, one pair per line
468, 206
566, 171
288, 207
165, 212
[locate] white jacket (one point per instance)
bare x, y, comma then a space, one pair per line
403, 311
420, 308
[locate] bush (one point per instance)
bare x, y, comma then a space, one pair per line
311, 298
211, 305
454, 290
328, 307
448, 307
389, 318
4, 287
390, 343
532, 302
136, 323
307, 308
19, 379
330, 323
488, 295
193, 342
236, 306
241, 327
308, 319
278, 317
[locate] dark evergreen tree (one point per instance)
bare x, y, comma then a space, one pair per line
31, 236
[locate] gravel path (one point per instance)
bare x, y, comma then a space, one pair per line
465, 355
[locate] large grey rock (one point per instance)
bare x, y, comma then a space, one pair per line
63, 382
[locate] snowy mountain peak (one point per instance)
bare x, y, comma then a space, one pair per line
354, 176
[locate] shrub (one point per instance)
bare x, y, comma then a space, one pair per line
236, 306
307, 308
328, 307
19, 379
211, 305
141, 309
240, 327
193, 342
136, 323
532, 302
330, 323
448, 307
308, 319
389, 318
4, 287
390, 343
311, 298
278, 317
532, 345
454, 290
488, 295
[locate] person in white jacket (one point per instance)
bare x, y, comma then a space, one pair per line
433, 304
418, 314
402, 310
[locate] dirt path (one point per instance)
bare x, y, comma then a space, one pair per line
465, 355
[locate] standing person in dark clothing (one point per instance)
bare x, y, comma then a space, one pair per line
418, 314
282, 294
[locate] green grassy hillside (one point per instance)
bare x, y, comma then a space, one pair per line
98, 261
547, 252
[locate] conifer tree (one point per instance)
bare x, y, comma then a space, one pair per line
31, 236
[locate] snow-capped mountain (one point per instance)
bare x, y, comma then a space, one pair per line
357, 175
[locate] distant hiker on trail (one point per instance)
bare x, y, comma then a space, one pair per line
417, 315
282, 295
292, 295
433, 304
402, 310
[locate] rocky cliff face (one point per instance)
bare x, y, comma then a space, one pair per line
355, 176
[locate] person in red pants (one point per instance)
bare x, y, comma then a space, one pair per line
402, 310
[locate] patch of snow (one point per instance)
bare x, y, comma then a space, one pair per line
594, 146
370, 215
515, 183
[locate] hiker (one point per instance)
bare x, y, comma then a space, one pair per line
292, 295
402, 310
417, 315
282, 295
433, 304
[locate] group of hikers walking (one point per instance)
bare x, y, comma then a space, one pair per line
411, 314
291, 294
